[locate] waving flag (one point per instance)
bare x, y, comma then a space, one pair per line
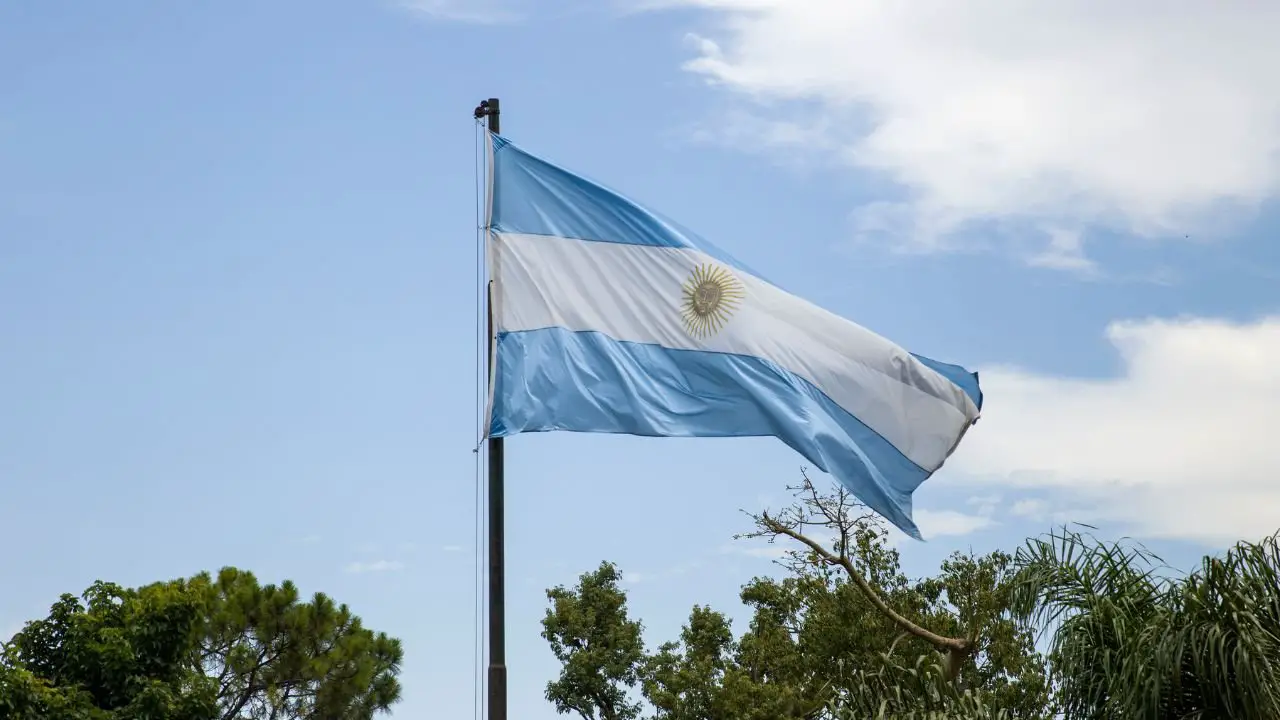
611, 319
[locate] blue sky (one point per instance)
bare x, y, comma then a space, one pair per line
237, 264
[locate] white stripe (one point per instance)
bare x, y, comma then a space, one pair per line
634, 293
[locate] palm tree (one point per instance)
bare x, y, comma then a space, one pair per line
1133, 640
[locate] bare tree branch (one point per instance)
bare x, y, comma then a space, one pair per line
843, 516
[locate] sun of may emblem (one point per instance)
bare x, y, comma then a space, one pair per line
711, 294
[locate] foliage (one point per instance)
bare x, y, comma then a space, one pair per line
278, 657
1132, 640
921, 691
207, 648
121, 654
843, 634
866, 615
686, 680
973, 596
598, 647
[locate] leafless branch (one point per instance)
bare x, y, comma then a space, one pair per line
849, 522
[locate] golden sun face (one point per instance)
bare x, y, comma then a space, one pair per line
711, 294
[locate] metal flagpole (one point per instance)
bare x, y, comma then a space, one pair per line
497, 675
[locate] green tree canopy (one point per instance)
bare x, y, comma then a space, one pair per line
843, 633
118, 655
599, 648
276, 656
215, 648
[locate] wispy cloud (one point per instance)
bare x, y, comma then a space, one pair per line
452, 548
759, 549
480, 12
1031, 508
376, 566
674, 571
1065, 251
990, 113
984, 504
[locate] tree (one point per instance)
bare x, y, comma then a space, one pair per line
224, 648
848, 605
974, 596
1134, 640
843, 633
855, 536
598, 646
121, 654
685, 680
276, 657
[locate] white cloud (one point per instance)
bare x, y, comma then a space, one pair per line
376, 566
1150, 116
985, 504
481, 12
940, 523
1064, 251
1179, 444
633, 578
452, 548
1029, 508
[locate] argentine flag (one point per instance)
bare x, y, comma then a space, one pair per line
609, 318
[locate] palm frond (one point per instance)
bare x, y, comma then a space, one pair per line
1132, 639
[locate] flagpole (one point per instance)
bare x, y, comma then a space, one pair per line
497, 675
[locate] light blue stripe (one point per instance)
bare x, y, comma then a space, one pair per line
535, 197
959, 376
555, 379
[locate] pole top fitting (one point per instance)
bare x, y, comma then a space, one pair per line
487, 108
